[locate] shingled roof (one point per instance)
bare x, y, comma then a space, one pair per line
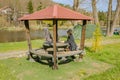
56, 12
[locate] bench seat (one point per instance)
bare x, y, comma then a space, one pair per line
42, 52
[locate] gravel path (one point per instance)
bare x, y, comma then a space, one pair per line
13, 54
24, 53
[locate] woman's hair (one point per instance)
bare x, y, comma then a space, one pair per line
69, 31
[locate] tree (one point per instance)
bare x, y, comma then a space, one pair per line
39, 6
109, 16
95, 14
76, 5
115, 18
119, 19
39, 23
97, 38
30, 7
102, 16
16, 9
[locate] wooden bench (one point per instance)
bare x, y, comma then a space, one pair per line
68, 53
42, 52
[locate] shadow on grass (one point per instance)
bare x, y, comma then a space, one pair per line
49, 61
88, 49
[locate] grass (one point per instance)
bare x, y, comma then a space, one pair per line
17, 46
22, 69
5, 73
12, 28
102, 65
109, 54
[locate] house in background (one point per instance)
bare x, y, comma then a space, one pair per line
10, 15
6, 14
6, 10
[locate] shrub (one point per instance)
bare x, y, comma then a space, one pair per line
97, 37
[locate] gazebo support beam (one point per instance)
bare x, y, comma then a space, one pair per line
56, 30
26, 22
55, 66
82, 44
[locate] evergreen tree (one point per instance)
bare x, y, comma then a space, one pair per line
40, 6
102, 16
39, 23
30, 7
95, 13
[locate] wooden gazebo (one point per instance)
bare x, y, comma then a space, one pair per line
55, 13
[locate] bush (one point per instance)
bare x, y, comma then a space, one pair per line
97, 38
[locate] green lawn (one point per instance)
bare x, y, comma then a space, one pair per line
21, 69
17, 46
109, 54
103, 65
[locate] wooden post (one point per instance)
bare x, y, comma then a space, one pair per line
54, 45
26, 22
56, 31
82, 44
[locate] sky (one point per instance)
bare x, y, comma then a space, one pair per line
102, 5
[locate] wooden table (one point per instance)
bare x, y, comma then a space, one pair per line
59, 46
47, 53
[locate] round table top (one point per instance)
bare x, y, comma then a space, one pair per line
57, 44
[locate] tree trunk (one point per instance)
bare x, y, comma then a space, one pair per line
119, 18
95, 14
39, 23
109, 17
15, 21
76, 5
115, 17
75, 8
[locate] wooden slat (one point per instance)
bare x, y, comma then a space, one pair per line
69, 53
41, 53
59, 54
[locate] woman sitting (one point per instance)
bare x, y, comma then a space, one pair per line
71, 41
48, 38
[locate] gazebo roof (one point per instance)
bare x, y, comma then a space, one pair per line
56, 12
